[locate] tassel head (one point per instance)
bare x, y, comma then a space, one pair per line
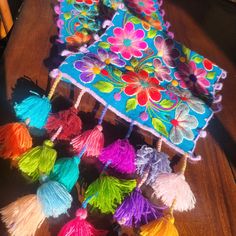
107, 192
54, 198
120, 155
172, 186
15, 139
136, 210
39, 160
70, 122
93, 140
66, 172
34, 108
24, 216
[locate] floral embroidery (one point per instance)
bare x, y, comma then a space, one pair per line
90, 67
166, 50
142, 7
194, 103
183, 123
88, 24
127, 41
108, 57
192, 77
84, 11
161, 72
89, 2
142, 86
78, 38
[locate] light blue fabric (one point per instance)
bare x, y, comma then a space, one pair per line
186, 76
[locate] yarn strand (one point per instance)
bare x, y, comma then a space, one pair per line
78, 100
54, 86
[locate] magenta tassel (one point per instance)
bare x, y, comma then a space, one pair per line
80, 226
70, 122
120, 155
136, 210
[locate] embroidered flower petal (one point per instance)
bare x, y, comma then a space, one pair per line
181, 111
176, 136
87, 77
131, 89
188, 121
142, 97
154, 94
187, 133
82, 66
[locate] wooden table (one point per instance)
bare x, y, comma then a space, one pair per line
202, 26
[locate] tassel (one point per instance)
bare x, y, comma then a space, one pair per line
173, 186
38, 160
152, 160
36, 108
163, 227
68, 119
80, 226
66, 171
93, 139
121, 155
24, 216
136, 210
54, 198
109, 192
14, 140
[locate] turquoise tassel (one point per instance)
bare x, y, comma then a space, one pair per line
66, 172
36, 109
54, 198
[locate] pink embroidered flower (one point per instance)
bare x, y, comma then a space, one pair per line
183, 123
161, 72
142, 6
192, 77
144, 87
166, 50
128, 41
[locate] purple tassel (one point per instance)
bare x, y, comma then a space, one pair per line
136, 210
149, 159
121, 155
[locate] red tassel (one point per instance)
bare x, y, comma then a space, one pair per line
70, 122
80, 226
15, 139
92, 140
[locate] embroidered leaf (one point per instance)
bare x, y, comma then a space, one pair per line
70, 1
104, 45
186, 51
148, 69
135, 20
130, 68
104, 87
211, 75
134, 62
131, 104
117, 72
67, 15
197, 60
166, 103
151, 33
159, 126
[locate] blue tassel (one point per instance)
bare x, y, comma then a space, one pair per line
54, 198
34, 108
66, 172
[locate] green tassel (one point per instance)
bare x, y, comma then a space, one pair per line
107, 192
66, 172
38, 161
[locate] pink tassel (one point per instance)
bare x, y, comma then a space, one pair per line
120, 155
70, 122
80, 226
92, 140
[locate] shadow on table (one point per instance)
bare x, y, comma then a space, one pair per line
217, 18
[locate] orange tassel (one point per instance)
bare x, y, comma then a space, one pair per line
14, 140
161, 227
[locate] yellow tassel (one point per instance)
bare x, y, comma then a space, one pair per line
161, 227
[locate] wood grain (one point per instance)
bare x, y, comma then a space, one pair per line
196, 24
